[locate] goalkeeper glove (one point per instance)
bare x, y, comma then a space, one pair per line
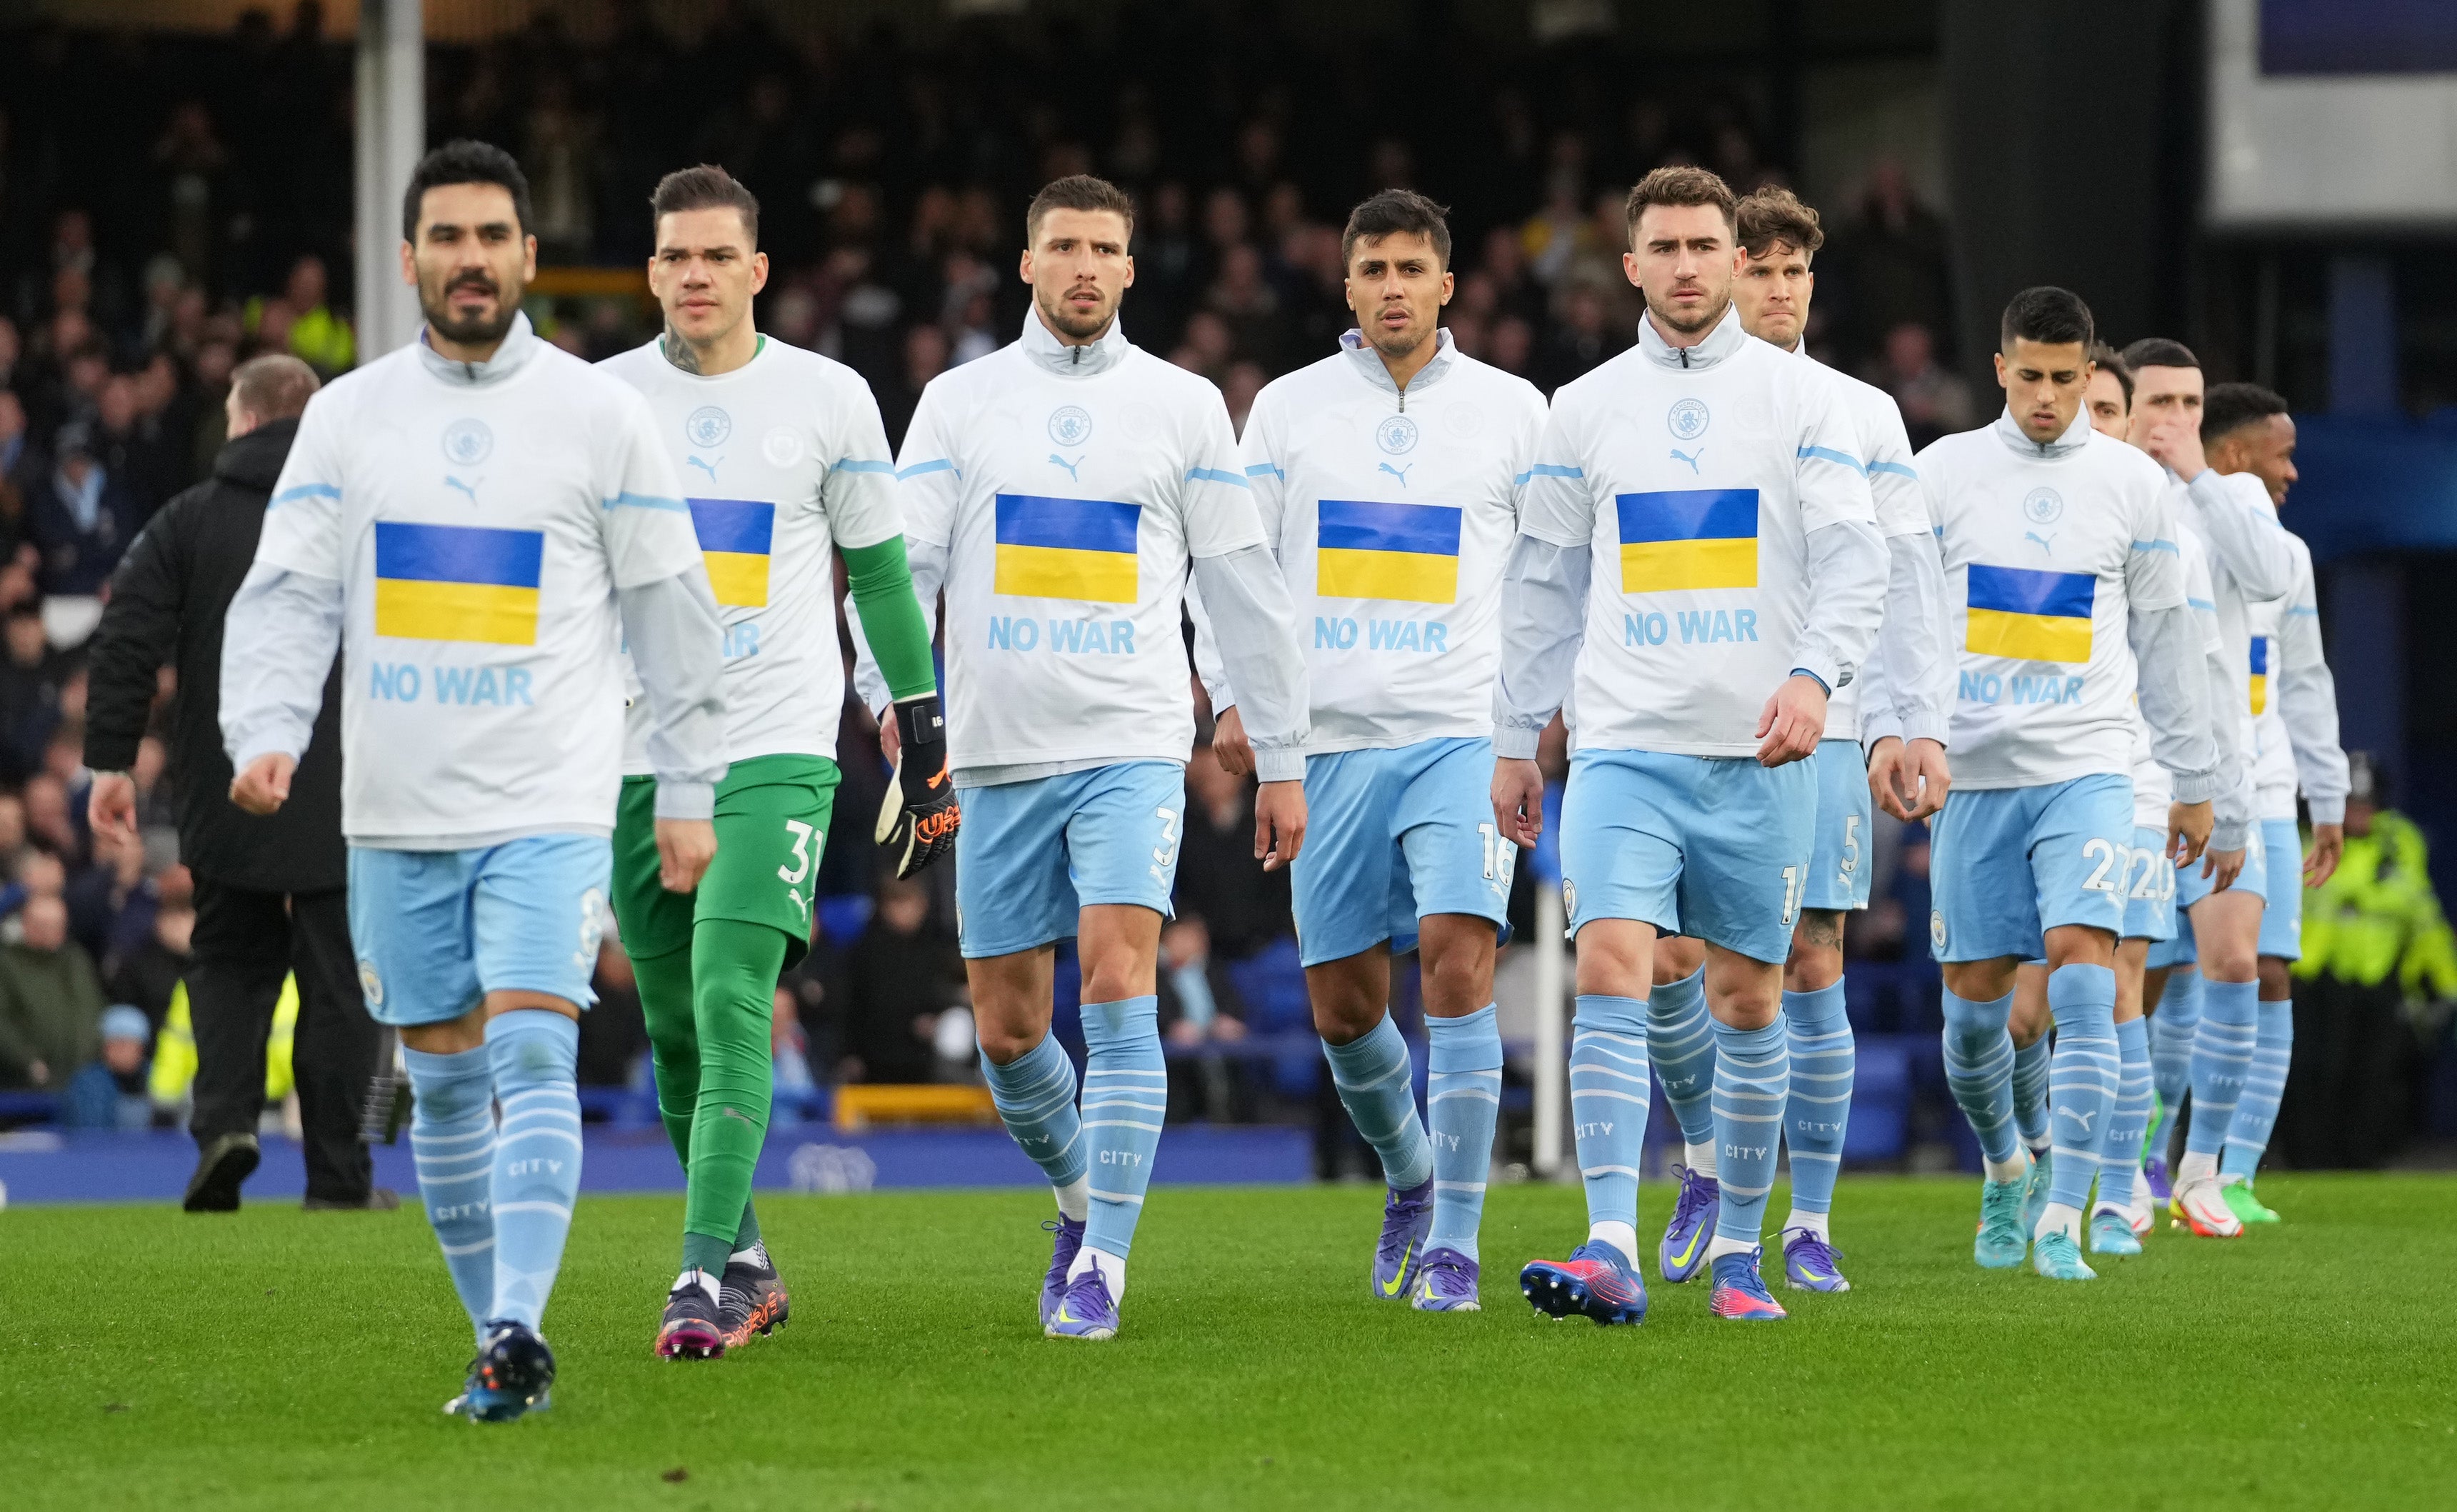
918, 823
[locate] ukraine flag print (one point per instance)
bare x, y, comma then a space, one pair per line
2027, 614
734, 538
458, 582
1386, 550
2259, 673
1079, 548
1688, 538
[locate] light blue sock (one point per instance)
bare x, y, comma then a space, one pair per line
1823, 1061
1752, 1084
535, 1054
1681, 1044
2119, 1153
1126, 1096
1462, 1096
1035, 1094
2031, 1066
1608, 1101
1979, 1070
452, 1137
2222, 1061
2083, 1078
2256, 1111
2172, 1028
1377, 1088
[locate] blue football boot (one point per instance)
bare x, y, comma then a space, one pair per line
2002, 1239
1741, 1292
2055, 1256
2111, 1232
1596, 1282
1406, 1217
1682, 1253
509, 1378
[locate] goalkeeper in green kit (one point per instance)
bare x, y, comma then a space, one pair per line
786, 463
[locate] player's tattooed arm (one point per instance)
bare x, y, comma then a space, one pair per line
679, 351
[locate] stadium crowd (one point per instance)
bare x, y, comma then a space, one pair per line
895, 175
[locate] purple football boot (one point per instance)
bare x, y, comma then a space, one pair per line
1810, 1264
1446, 1283
1063, 1250
1683, 1254
1085, 1310
1406, 1217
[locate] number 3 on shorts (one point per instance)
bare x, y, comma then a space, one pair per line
800, 835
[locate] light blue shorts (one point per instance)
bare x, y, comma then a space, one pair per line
1714, 847
1393, 836
438, 930
2011, 863
2191, 886
2150, 896
1032, 856
1838, 865
2281, 921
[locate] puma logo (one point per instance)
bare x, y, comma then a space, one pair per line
704, 465
1400, 473
1679, 455
469, 488
2042, 541
1057, 461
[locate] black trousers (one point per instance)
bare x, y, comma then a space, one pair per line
245, 942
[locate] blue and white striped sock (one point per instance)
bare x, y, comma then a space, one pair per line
1681, 1044
1980, 1073
2119, 1153
2083, 1080
1377, 1087
1126, 1096
452, 1137
1824, 1059
2031, 1063
1462, 1097
2222, 1061
1035, 1094
1752, 1084
2256, 1111
535, 1054
2172, 1028
1608, 1102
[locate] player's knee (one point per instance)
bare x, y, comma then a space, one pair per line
1816, 959
2277, 979
1004, 1044
1458, 978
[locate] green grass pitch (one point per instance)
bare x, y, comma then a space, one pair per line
280, 1359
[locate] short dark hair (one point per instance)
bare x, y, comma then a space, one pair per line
274, 387
706, 187
1679, 184
2046, 314
2158, 351
464, 161
2229, 407
1395, 213
1078, 192
2110, 361
1775, 213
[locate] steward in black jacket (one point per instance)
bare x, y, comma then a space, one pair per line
271, 899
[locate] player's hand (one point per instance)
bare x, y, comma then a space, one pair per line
1228, 743
2222, 868
1279, 823
889, 742
2328, 845
1518, 799
684, 849
265, 786
1909, 781
1793, 722
2188, 831
2178, 444
918, 823
111, 807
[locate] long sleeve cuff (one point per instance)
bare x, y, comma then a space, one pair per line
1925, 726
686, 800
1516, 742
2195, 787
2326, 811
1279, 764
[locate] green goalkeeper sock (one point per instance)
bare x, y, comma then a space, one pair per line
665, 984
734, 966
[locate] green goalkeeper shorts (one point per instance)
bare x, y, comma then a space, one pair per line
772, 817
